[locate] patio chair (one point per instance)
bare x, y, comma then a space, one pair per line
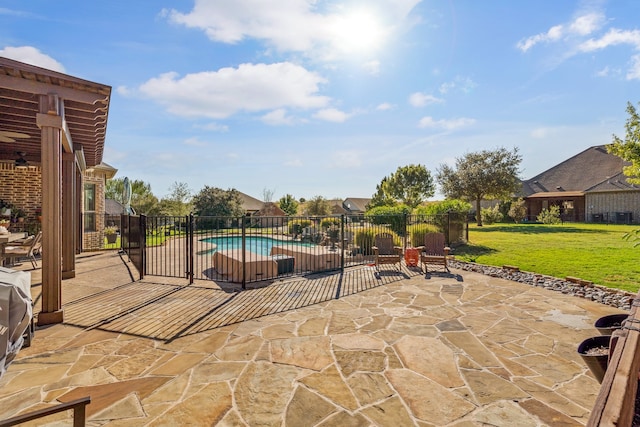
434, 252
28, 249
386, 252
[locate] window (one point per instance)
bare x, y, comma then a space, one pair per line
90, 207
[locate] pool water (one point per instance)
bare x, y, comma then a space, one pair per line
256, 244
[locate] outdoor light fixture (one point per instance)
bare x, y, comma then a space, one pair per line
21, 162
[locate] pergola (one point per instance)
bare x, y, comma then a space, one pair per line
59, 122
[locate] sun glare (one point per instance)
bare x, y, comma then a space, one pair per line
358, 31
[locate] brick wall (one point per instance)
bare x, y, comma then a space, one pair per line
22, 188
95, 240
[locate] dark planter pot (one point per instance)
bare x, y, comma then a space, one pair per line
112, 238
597, 364
607, 324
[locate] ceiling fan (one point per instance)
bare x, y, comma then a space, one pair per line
8, 136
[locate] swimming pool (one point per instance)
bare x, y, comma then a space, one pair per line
257, 244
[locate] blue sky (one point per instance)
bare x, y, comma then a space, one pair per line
314, 97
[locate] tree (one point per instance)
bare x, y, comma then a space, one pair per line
381, 197
288, 204
267, 195
409, 185
178, 203
318, 206
482, 175
142, 199
212, 201
629, 148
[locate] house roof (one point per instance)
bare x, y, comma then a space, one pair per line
356, 203
250, 204
113, 207
594, 169
24, 91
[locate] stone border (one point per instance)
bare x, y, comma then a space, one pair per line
570, 285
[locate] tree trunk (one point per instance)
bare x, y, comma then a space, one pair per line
478, 214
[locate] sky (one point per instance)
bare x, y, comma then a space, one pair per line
326, 98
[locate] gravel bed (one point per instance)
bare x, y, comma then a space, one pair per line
583, 289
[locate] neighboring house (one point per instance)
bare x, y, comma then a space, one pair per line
356, 206
251, 205
589, 186
269, 216
337, 207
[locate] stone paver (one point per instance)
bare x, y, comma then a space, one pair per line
447, 350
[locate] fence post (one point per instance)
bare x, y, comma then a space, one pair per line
190, 243
342, 220
448, 228
404, 246
244, 251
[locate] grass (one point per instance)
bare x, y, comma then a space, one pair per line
595, 252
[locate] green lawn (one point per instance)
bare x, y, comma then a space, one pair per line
595, 252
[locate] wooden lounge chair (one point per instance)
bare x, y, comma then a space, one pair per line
434, 251
28, 249
386, 252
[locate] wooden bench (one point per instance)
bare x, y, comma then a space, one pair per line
615, 404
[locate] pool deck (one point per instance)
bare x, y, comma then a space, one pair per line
352, 349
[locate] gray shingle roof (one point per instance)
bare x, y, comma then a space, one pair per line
594, 169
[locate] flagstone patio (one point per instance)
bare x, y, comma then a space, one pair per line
460, 349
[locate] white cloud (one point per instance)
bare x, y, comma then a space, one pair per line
332, 115
447, 124
277, 117
604, 72
554, 33
216, 127
319, 28
419, 99
540, 133
587, 24
249, 87
634, 72
372, 67
613, 37
31, 55
462, 84
195, 142
124, 91
583, 25
385, 106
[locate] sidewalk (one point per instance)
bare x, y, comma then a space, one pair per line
462, 349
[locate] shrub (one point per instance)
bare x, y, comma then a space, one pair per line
110, 230
328, 222
393, 216
442, 212
491, 215
296, 226
550, 216
416, 233
518, 210
365, 238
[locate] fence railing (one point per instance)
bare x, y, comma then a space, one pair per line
251, 249
78, 406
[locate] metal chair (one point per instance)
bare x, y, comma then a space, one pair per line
28, 249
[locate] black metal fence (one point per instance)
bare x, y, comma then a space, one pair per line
251, 249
